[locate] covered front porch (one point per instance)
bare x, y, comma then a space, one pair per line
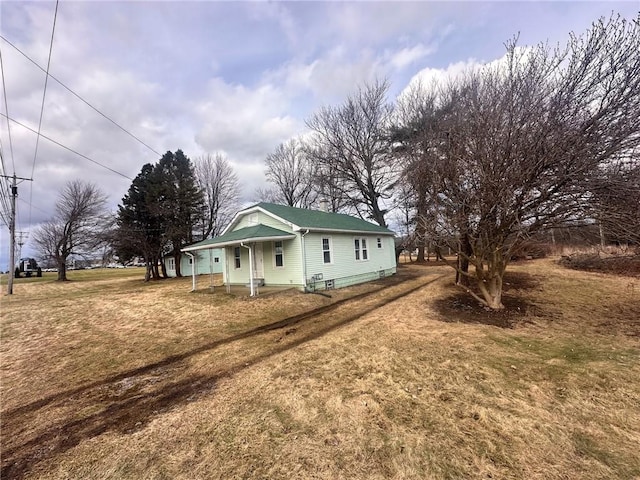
245, 251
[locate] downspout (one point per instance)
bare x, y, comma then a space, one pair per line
211, 268
226, 277
304, 261
193, 272
250, 268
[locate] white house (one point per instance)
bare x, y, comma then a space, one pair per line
277, 245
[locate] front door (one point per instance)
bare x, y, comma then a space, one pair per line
258, 261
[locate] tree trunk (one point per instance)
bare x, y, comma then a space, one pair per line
491, 289
421, 233
398, 253
176, 259
163, 269
462, 274
62, 270
153, 268
156, 272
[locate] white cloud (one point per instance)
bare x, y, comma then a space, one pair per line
245, 123
408, 56
428, 77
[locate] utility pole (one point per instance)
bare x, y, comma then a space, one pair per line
21, 239
12, 230
12, 236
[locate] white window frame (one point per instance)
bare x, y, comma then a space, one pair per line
379, 242
361, 249
253, 219
330, 250
171, 264
275, 253
237, 255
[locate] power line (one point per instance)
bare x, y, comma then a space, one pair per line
4, 194
6, 108
44, 92
44, 95
80, 98
66, 148
33, 206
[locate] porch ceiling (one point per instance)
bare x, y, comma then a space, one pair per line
255, 233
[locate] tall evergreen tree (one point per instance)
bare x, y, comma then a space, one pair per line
180, 201
139, 229
159, 212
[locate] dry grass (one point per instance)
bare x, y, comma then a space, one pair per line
371, 388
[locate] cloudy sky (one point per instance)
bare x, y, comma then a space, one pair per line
230, 77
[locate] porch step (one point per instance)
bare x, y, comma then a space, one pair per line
257, 282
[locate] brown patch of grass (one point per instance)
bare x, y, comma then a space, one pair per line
371, 388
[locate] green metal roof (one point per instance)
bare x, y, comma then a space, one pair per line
317, 220
255, 233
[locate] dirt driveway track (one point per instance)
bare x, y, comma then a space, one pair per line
126, 402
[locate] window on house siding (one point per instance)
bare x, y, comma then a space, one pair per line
190, 260
253, 219
278, 251
171, 264
216, 259
379, 240
361, 250
326, 250
236, 253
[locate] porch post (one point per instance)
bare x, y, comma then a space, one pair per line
250, 268
211, 268
227, 280
193, 272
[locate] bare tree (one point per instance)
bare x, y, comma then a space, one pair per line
291, 172
329, 183
521, 140
219, 184
351, 142
616, 201
76, 226
416, 135
268, 195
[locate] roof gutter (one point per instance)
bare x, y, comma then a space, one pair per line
335, 230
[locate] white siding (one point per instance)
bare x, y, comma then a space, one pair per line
204, 262
291, 272
343, 263
262, 218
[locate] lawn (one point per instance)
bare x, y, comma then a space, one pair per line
110, 377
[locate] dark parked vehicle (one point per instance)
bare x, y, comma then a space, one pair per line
28, 266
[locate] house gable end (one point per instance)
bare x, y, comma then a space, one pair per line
255, 215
